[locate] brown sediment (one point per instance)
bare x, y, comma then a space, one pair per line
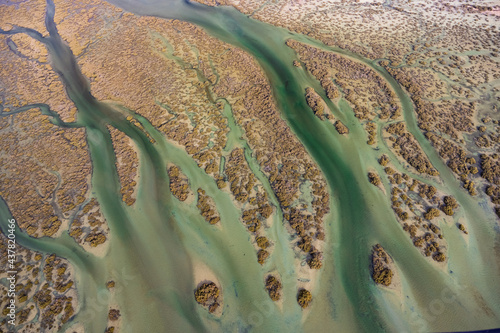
273, 287
381, 266
126, 164
304, 298
89, 227
315, 103
207, 208
415, 204
207, 294
179, 183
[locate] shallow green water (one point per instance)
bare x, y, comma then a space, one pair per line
152, 245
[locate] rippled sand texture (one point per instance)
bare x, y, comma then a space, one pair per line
176, 166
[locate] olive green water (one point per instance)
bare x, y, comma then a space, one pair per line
154, 244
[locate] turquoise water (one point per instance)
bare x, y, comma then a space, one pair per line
154, 245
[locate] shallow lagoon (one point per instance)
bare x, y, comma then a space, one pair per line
155, 248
